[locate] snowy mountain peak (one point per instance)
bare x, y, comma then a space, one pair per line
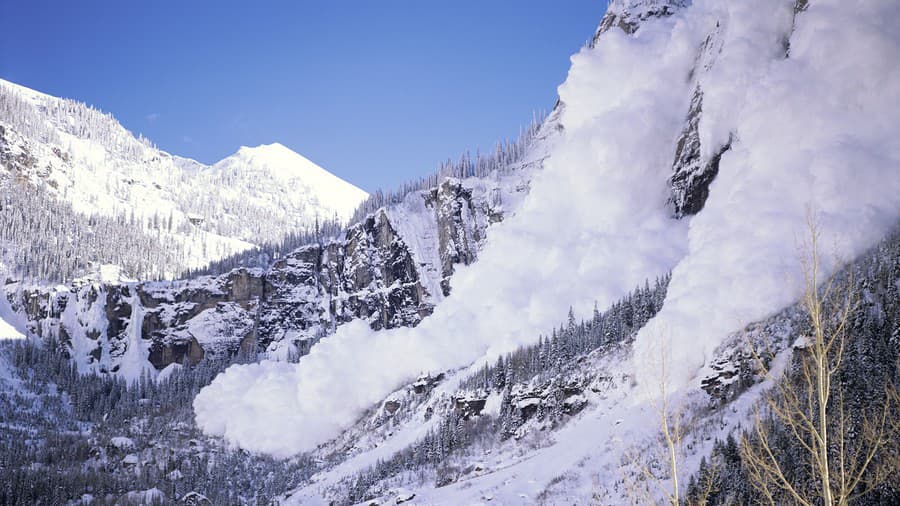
326, 193
275, 147
277, 157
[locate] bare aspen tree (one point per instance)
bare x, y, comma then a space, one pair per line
809, 405
671, 437
670, 424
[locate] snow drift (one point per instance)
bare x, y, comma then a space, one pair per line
817, 128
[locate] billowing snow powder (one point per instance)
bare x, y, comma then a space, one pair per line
818, 128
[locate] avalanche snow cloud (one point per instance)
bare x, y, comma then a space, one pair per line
817, 128
817, 131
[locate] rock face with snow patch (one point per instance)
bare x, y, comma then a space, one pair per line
460, 225
627, 15
370, 275
691, 175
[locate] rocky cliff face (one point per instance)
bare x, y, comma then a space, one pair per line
695, 165
627, 15
389, 270
691, 173
461, 224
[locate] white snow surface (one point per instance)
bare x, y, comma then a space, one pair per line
122, 442
167, 372
291, 173
817, 129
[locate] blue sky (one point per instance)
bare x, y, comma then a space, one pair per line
375, 91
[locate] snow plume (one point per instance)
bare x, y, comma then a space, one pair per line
815, 130
594, 227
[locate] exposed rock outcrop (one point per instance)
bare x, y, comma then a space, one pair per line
461, 223
627, 15
691, 175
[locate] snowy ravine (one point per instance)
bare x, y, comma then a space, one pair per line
772, 109
87, 160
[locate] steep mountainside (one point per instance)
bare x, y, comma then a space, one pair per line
85, 159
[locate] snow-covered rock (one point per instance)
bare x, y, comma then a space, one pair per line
122, 443
195, 499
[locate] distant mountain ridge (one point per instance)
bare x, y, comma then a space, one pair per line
89, 161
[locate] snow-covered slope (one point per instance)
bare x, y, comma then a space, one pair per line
563, 422
790, 106
87, 159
